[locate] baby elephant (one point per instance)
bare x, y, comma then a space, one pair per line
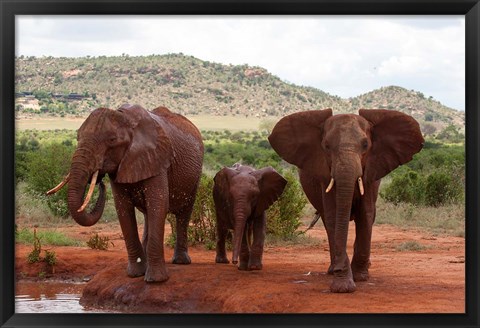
241, 195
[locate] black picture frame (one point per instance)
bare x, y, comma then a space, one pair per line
10, 8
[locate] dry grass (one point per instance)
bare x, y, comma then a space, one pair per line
202, 122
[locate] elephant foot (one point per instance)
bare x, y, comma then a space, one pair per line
330, 269
136, 269
360, 275
360, 270
181, 258
342, 285
221, 259
255, 265
156, 274
243, 266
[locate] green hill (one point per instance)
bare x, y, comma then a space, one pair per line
75, 86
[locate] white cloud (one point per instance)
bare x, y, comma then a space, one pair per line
342, 55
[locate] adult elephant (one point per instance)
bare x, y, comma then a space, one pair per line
242, 194
154, 162
335, 154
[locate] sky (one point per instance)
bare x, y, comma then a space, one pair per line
345, 56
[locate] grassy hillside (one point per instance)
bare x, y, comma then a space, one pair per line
75, 86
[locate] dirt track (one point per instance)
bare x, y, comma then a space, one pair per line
293, 279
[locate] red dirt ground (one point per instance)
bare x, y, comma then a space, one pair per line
293, 279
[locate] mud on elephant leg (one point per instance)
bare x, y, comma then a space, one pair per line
343, 278
126, 216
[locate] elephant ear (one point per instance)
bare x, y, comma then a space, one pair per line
271, 185
297, 138
395, 136
150, 149
222, 182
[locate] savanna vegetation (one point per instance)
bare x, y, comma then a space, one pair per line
58, 87
426, 193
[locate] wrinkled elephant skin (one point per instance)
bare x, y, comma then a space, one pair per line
154, 162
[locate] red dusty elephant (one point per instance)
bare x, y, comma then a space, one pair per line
242, 194
341, 160
154, 162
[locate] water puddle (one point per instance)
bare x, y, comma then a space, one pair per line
50, 297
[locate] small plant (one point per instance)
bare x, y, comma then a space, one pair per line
51, 259
34, 255
98, 242
410, 246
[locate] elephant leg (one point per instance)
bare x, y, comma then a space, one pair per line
221, 256
156, 198
180, 254
364, 219
328, 213
361, 255
256, 251
126, 215
330, 229
244, 250
362, 245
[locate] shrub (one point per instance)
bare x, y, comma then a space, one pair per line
437, 188
404, 188
203, 219
97, 242
441, 188
46, 168
34, 255
435, 176
202, 228
283, 217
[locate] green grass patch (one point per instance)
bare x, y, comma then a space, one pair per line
409, 246
448, 219
47, 237
292, 240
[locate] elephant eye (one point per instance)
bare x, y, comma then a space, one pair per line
112, 139
326, 146
364, 144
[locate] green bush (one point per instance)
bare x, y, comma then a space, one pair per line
405, 188
202, 228
435, 177
46, 168
441, 188
203, 219
438, 188
283, 217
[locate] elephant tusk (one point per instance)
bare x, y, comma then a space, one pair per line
90, 192
315, 219
360, 186
330, 185
60, 185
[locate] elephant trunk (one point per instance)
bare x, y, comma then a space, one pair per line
240, 220
79, 178
347, 178
344, 196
